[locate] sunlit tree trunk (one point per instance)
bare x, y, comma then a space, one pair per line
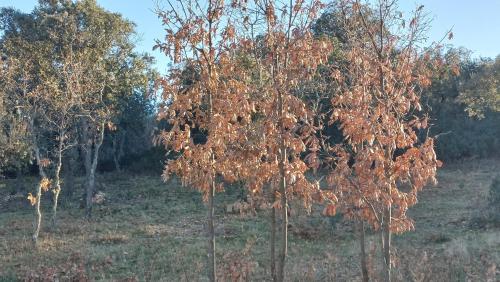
57, 179
284, 200
211, 195
87, 162
364, 268
273, 238
211, 209
211, 234
387, 244
38, 212
91, 149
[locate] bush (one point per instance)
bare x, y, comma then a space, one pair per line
151, 161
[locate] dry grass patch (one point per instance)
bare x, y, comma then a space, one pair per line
110, 239
151, 231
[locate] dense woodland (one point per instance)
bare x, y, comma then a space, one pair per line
341, 106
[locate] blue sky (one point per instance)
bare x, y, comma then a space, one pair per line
476, 23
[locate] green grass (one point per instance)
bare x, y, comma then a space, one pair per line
151, 231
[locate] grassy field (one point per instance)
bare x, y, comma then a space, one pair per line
151, 231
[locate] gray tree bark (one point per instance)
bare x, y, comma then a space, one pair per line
38, 212
57, 179
273, 239
387, 244
284, 216
211, 233
91, 147
364, 268
118, 143
68, 176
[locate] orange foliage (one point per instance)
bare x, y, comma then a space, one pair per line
284, 128
383, 162
215, 102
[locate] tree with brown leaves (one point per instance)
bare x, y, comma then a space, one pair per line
285, 53
383, 163
205, 92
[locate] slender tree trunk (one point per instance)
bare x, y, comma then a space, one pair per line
69, 179
89, 190
117, 164
284, 215
90, 184
91, 180
38, 214
211, 230
54, 207
211, 233
364, 268
273, 239
387, 244
211, 196
283, 154
283, 192
382, 243
118, 143
91, 151
115, 155
86, 149
57, 176
38, 211
56, 191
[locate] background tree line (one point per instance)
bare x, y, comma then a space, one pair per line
73, 83
460, 135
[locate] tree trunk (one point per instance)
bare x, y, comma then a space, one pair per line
386, 228
57, 190
211, 233
38, 214
57, 176
283, 191
91, 151
273, 239
382, 244
364, 268
69, 179
91, 179
86, 149
118, 143
284, 215
387, 244
38, 211
117, 163
115, 154
90, 185
19, 179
